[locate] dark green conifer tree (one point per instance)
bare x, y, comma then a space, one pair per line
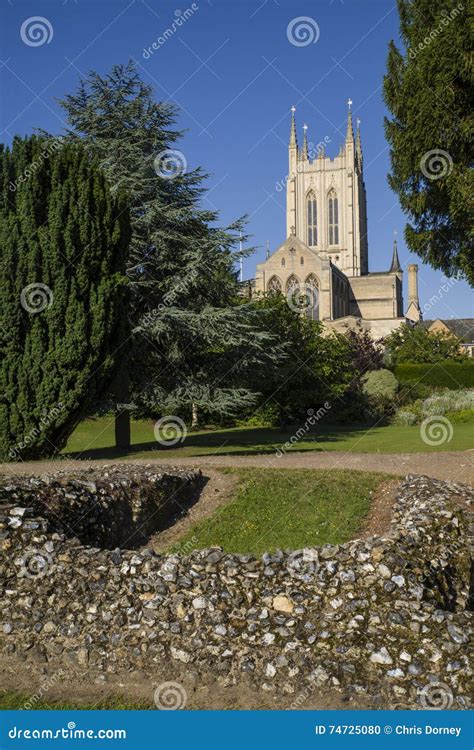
428, 89
63, 243
194, 341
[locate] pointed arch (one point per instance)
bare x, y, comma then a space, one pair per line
292, 284
312, 297
333, 218
311, 219
274, 285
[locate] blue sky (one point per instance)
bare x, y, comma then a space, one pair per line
234, 74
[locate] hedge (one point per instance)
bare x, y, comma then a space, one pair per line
445, 374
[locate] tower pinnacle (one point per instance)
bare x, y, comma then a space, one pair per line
395, 267
350, 130
359, 146
293, 141
305, 142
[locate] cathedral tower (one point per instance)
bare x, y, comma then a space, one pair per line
326, 202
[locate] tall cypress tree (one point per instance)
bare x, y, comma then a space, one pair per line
194, 341
428, 89
63, 243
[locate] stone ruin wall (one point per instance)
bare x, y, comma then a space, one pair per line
386, 616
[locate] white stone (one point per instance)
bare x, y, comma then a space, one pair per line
381, 657
270, 670
199, 602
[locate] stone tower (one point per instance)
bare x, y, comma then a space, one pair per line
326, 200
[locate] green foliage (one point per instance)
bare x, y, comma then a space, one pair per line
62, 232
457, 406
317, 367
428, 90
415, 344
193, 341
446, 374
380, 387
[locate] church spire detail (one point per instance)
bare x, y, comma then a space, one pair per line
293, 141
305, 142
350, 129
395, 267
359, 146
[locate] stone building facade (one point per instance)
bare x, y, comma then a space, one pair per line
324, 261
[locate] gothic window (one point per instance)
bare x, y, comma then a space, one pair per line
283, 262
274, 285
312, 220
301, 261
312, 297
333, 218
293, 293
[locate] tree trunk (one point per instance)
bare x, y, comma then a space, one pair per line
195, 416
122, 418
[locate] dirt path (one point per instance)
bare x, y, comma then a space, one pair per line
457, 466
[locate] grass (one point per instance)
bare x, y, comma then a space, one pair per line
13, 700
94, 438
279, 509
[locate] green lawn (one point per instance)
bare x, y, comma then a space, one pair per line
13, 700
287, 509
94, 438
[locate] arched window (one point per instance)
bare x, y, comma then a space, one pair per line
274, 285
301, 261
293, 293
283, 262
333, 218
312, 219
312, 297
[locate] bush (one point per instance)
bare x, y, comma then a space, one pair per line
458, 406
446, 374
380, 385
416, 344
380, 388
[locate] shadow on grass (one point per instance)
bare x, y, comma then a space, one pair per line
235, 442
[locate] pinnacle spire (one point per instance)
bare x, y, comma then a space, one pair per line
305, 142
359, 145
395, 267
293, 141
350, 130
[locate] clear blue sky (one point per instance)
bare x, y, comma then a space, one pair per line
234, 75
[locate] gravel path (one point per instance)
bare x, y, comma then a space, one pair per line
457, 466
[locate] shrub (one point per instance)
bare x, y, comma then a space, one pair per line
415, 344
405, 417
380, 385
446, 374
458, 406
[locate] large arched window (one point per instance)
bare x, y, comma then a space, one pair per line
312, 219
333, 219
293, 292
312, 297
274, 285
